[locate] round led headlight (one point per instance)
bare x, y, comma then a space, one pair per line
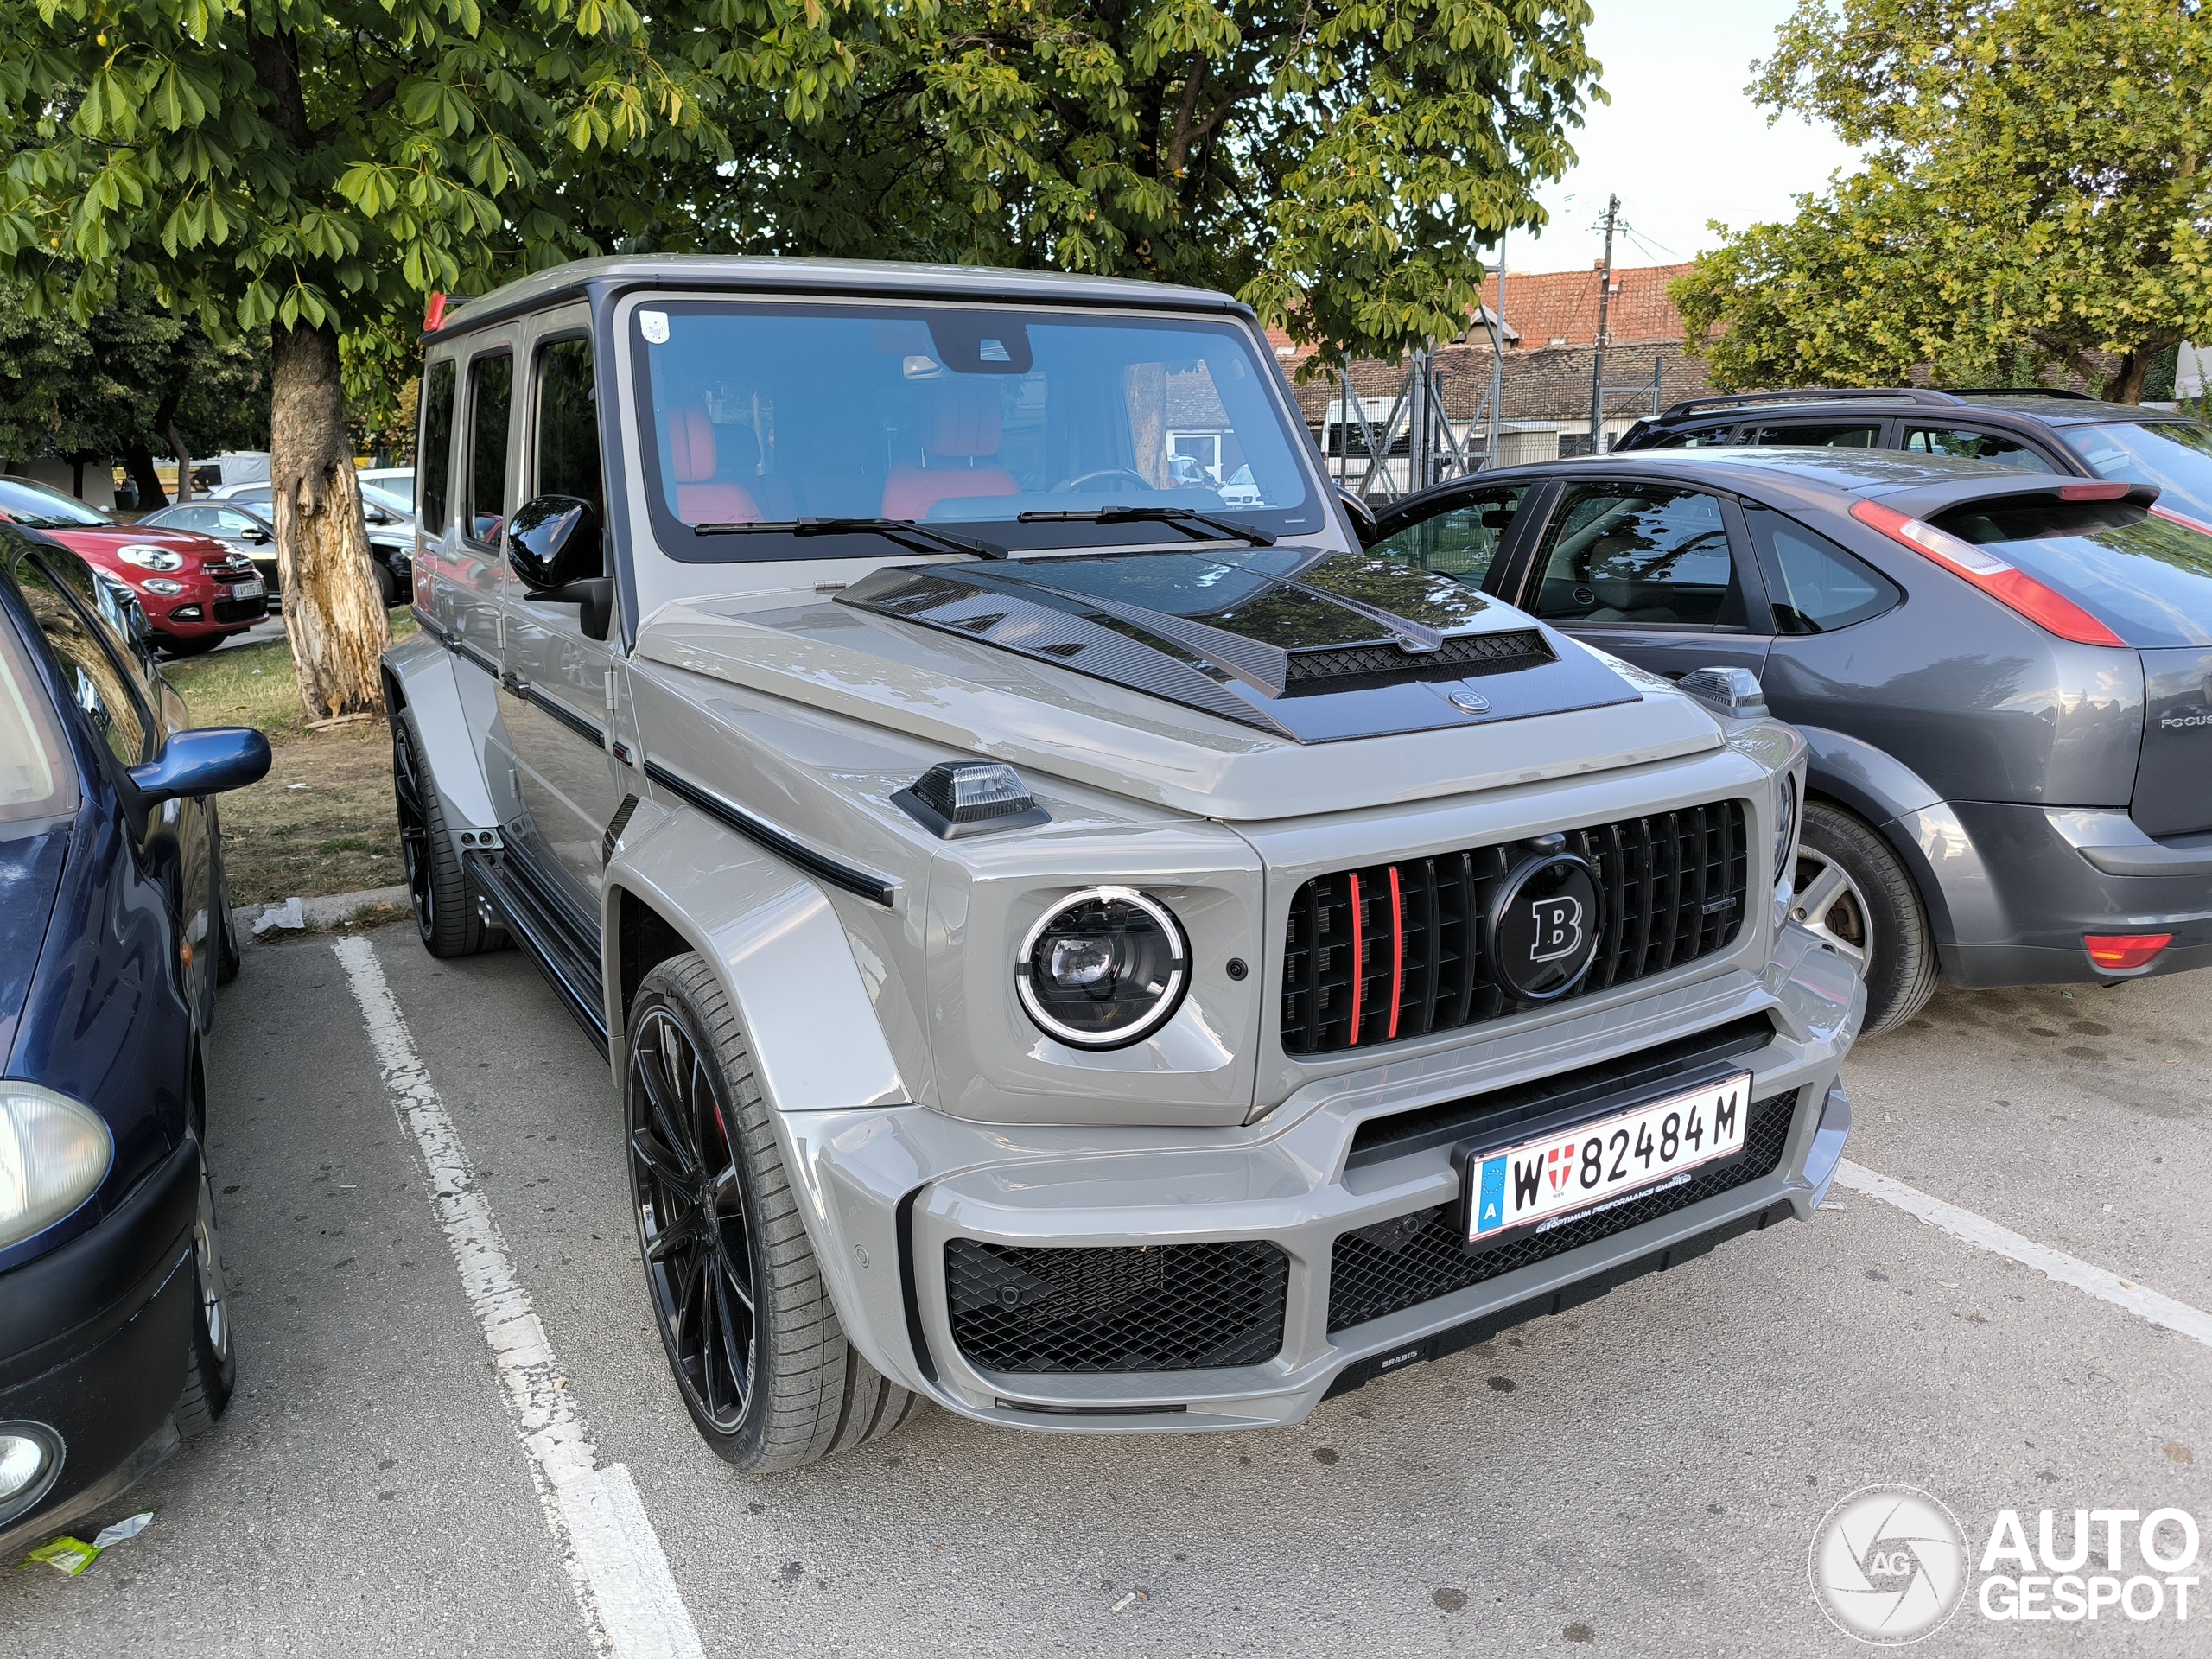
147, 556
1103, 968
54, 1153
164, 587
1785, 822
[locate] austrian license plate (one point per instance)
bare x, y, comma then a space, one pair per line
1572, 1169
249, 588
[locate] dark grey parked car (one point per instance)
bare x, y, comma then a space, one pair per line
246, 527
2006, 681
2031, 430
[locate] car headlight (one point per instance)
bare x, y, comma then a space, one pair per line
163, 586
1103, 968
1785, 822
54, 1153
147, 556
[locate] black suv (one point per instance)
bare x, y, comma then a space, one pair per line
2034, 430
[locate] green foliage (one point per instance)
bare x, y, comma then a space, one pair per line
328, 163
2037, 195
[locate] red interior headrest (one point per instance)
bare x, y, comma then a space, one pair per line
691, 445
964, 420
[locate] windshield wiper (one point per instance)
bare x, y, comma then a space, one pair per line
1182, 518
896, 529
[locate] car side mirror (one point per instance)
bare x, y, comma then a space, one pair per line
1362, 515
255, 534
205, 761
376, 515
594, 594
552, 541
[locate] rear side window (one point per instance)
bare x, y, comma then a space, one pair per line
567, 460
433, 454
1712, 437
97, 683
1974, 446
1815, 587
1461, 541
1824, 435
1642, 555
2147, 578
490, 397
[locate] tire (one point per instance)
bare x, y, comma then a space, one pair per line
774, 1385
210, 1365
1855, 895
447, 914
387, 589
229, 958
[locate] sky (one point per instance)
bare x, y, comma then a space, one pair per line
1681, 142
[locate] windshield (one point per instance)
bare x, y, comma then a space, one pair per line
41, 508
2176, 455
2148, 578
765, 413
378, 496
396, 490
35, 778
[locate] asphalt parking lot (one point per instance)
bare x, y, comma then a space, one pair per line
1641, 1476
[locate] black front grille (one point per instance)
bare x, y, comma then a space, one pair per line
1675, 883
1158, 1307
1411, 1259
1342, 668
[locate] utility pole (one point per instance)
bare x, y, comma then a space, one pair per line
1597, 357
1497, 362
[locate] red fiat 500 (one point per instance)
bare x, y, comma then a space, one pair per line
195, 591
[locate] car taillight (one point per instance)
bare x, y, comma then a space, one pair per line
2007, 584
2120, 952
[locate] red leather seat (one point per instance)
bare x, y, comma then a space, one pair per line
964, 429
701, 497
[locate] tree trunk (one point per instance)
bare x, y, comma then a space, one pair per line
2126, 384
140, 460
77, 476
332, 607
183, 464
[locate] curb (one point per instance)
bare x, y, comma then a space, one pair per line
332, 910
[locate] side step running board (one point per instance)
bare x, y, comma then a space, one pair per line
567, 964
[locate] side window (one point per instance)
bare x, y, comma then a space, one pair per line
230, 522
1461, 540
1640, 554
1815, 587
97, 681
491, 395
433, 453
1976, 446
1828, 435
1710, 437
567, 427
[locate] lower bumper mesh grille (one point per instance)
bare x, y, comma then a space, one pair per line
1415, 1258
1162, 1308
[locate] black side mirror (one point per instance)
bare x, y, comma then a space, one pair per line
594, 594
1362, 515
552, 541
255, 534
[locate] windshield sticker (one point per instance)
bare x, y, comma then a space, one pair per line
653, 325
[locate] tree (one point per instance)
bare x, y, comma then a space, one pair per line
2037, 197
133, 379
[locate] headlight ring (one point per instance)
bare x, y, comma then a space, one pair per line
1103, 969
147, 556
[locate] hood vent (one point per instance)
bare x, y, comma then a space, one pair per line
1346, 667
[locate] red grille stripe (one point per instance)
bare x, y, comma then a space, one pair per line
1358, 962
1397, 950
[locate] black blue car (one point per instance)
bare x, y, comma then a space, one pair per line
115, 1337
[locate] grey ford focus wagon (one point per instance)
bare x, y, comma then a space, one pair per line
1076, 938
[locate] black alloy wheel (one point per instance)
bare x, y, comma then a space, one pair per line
407, 788
693, 1221
448, 912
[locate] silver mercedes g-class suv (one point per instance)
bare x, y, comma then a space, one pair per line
1075, 939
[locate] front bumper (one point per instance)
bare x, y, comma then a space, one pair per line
2046, 876
92, 1343
890, 1189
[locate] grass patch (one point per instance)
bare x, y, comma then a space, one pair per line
321, 822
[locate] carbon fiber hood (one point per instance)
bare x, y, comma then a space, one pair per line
1314, 647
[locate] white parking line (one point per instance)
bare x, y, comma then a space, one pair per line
630, 1607
1986, 1235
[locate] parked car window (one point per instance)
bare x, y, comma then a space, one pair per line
1830, 435
1974, 446
2146, 577
97, 681
433, 454
40, 508
229, 521
2176, 455
1642, 554
36, 780
1460, 541
1711, 437
567, 461
179, 519
1814, 586
491, 389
